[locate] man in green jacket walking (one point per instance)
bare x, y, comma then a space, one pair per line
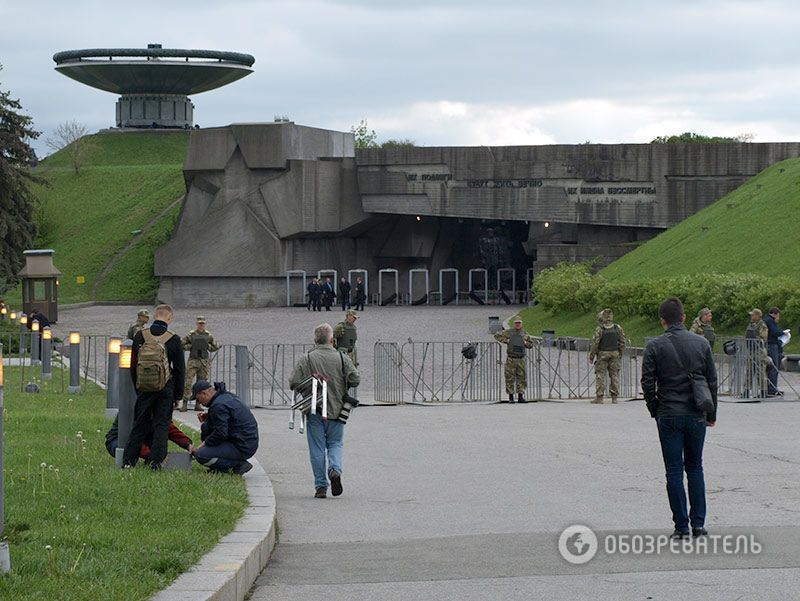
325, 435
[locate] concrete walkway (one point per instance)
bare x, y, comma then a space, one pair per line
467, 502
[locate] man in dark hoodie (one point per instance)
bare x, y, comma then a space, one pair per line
668, 361
229, 430
157, 354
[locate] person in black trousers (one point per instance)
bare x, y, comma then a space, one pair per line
314, 295
361, 295
328, 294
774, 349
344, 293
153, 410
668, 361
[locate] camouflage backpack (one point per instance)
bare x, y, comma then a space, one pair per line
152, 363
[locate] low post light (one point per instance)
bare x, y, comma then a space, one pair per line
13, 316
23, 334
35, 343
47, 351
112, 396
74, 362
5, 558
126, 400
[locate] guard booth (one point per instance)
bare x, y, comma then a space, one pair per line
40, 283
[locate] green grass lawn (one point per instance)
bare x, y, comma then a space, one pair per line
754, 229
87, 217
80, 529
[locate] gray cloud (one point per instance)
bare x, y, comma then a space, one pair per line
719, 65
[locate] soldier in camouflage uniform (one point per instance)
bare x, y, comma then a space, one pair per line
517, 341
345, 336
608, 344
198, 342
756, 363
142, 317
702, 326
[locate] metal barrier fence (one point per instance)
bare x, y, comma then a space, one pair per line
271, 366
432, 372
421, 372
268, 371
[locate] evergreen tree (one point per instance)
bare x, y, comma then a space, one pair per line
17, 228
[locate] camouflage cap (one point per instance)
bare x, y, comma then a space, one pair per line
704, 311
517, 320
756, 312
351, 313
200, 319
143, 313
605, 315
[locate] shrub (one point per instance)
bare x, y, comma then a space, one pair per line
571, 286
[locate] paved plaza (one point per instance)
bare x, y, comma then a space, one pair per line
467, 501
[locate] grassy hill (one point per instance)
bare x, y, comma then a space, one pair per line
754, 229
128, 184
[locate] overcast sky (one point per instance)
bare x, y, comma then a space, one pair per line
443, 72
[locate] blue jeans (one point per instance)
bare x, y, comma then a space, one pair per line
324, 435
682, 438
774, 352
222, 457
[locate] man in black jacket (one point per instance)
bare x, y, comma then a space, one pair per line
153, 410
229, 430
774, 349
668, 361
344, 293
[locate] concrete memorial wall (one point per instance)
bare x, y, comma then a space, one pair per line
262, 199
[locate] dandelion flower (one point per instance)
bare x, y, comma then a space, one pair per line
49, 548
43, 464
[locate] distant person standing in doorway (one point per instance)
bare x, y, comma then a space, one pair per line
361, 295
344, 293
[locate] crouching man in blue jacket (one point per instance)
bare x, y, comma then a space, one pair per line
229, 431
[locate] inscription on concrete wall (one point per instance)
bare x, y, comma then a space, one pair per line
612, 192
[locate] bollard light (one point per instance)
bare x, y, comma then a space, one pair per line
3, 311
35, 343
5, 558
126, 400
47, 351
23, 334
74, 362
125, 354
112, 372
13, 316
114, 345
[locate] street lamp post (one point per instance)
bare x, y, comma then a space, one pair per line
74, 362
112, 371
47, 351
5, 557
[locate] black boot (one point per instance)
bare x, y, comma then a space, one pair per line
521, 398
510, 398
